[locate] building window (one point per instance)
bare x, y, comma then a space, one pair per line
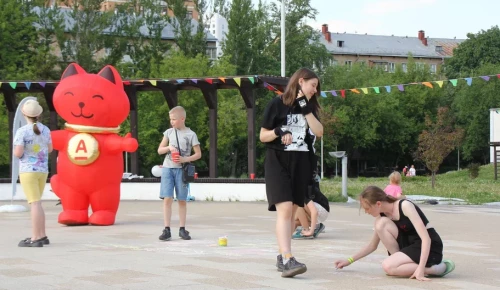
189, 14
419, 65
348, 63
383, 65
439, 48
404, 66
340, 43
392, 67
433, 68
213, 32
212, 52
333, 62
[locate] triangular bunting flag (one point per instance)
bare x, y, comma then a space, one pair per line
454, 82
13, 85
210, 81
388, 89
278, 92
153, 82
27, 84
498, 76
251, 79
469, 81
194, 81
377, 90
401, 88
180, 81
355, 91
238, 81
486, 78
42, 84
0, 84
323, 94
365, 90
427, 84
440, 83
223, 79
342, 93
334, 93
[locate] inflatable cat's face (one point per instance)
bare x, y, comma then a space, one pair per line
91, 99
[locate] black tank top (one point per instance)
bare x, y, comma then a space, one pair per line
404, 224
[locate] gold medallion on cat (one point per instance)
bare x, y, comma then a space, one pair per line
83, 149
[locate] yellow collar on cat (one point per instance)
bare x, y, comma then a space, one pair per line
91, 129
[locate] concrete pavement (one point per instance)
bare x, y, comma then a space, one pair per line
129, 255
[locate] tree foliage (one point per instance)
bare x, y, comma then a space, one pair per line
438, 140
479, 49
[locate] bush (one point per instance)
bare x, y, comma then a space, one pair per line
474, 170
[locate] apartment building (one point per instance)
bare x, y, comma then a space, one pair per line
387, 51
217, 26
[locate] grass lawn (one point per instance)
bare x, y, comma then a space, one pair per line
454, 184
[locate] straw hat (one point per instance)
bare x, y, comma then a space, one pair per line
32, 108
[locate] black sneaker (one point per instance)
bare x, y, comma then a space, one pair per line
319, 230
292, 268
30, 243
184, 234
279, 263
44, 240
165, 236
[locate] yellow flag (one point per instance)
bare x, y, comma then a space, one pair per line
427, 84
238, 81
440, 83
365, 90
153, 82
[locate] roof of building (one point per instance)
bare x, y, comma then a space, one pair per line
167, 32
381, 45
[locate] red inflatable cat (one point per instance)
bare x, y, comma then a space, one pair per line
90, 161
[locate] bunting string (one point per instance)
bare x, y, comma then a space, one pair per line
401, 87
154, 82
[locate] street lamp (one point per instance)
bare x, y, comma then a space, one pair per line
341, 154
283, 38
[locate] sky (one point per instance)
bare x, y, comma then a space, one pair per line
438, 18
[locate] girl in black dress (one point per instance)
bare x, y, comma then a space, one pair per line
285, 131
414, 246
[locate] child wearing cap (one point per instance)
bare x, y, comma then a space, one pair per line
32, 145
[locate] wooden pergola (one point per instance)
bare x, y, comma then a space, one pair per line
170, 88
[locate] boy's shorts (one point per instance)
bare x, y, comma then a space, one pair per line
172, 178
33, 184
322, 213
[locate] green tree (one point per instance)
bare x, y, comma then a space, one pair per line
50, 22
471, 105
88, 36
479, 49
141, 23
18, 38
438, 140
303, 48
190, 35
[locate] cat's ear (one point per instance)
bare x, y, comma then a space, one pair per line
112, 75
72, 69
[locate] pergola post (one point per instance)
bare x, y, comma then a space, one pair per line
131, 91
210, 94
